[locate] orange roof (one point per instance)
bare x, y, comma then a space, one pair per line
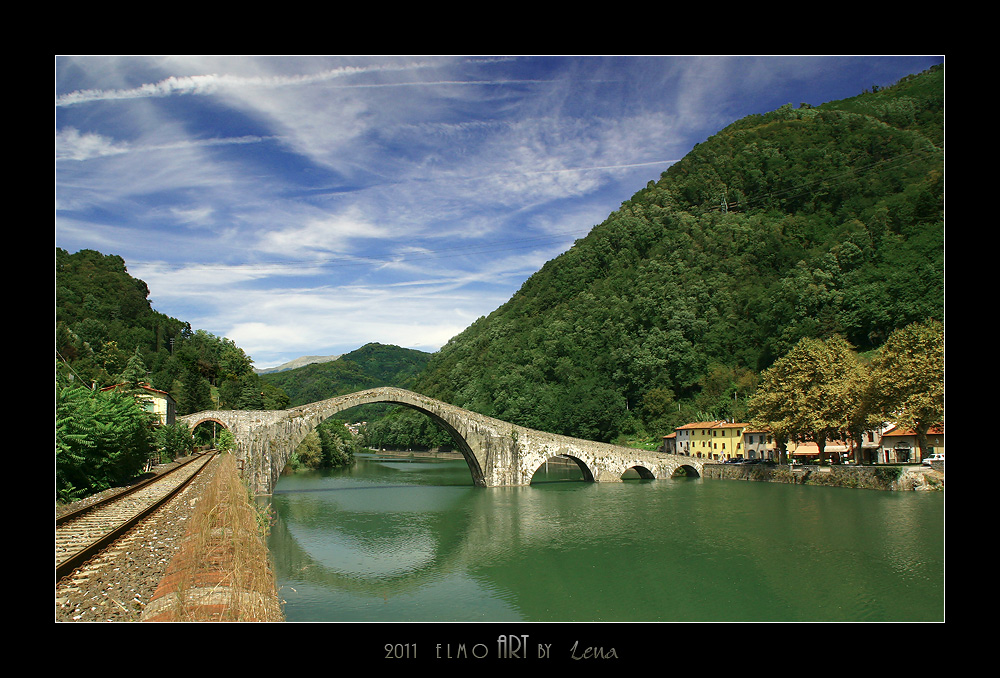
145, 387
896, 431
712, 424
700, 424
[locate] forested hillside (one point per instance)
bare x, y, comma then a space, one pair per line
369, 366
104, 319
802, 222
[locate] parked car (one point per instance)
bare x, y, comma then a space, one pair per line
934, 457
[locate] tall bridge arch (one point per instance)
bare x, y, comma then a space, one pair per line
498, 453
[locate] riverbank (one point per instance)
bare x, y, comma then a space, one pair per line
436, 453
222, 570
888, 478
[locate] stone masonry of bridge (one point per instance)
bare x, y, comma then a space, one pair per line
498, 453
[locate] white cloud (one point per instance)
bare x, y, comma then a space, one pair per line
331, 233
215, 83
71, 144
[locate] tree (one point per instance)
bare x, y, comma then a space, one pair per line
907, 384
102, 440
309, 453
173, 440
134, 372
196, 393
338, 444
811, 393
658, 410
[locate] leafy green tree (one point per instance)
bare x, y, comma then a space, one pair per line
811, 393
658, 411
337, 443
309, 453
173, 441
224, 441
907, 384
196, 393
134, 373
103, 439
327, 446
251, 397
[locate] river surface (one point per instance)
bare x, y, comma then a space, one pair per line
412, 540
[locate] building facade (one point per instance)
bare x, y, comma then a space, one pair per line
155, 402
900, 445
717, 440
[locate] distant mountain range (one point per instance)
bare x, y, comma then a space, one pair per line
298, 362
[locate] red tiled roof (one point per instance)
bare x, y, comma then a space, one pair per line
700, 424
712, 424
896, 431
145, 387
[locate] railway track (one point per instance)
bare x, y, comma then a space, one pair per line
82, 534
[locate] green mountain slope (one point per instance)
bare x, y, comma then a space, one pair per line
369, 366
799, 222
104, 319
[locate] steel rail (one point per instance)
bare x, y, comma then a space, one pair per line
80, 557
76, 513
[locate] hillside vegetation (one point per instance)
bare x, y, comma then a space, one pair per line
371, 365
104, 319
802, 222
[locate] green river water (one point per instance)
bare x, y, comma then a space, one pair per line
412, 540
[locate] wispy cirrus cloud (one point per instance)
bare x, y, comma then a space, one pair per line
71, 144
214, 83
209, 84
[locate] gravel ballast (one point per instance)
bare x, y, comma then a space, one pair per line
117, 585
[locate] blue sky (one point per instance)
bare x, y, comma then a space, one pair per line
308, 205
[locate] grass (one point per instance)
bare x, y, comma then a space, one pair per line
223, 570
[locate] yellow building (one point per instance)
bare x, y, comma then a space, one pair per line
710, 439
728, 441
155, 401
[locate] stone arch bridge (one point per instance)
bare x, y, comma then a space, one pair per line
498, 453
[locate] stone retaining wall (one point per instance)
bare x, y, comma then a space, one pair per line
862, 477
